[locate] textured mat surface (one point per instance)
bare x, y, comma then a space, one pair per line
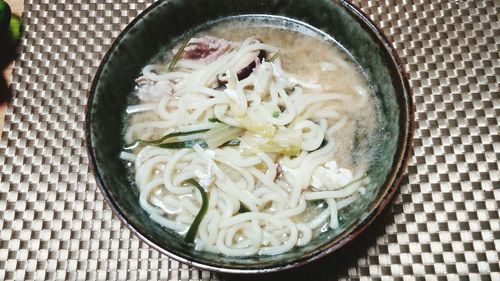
443, 224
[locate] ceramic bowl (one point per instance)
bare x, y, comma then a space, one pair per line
163, 21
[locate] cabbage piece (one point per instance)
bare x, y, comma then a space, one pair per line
259, 127
221, 134
285, 141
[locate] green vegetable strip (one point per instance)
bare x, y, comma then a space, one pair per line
191, 143
159, 141
356, 180
193, 229
182, 144
178, 55
172, 135
221, 134
274, 56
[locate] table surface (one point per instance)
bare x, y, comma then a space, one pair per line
17, 7
442, 225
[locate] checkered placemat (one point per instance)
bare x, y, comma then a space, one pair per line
443, 224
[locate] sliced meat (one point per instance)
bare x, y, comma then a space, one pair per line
206, 49
246, 66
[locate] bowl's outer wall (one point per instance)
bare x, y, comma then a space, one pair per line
166, 20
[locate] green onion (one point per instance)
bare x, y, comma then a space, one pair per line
221, 134
193, 229
276, 114
356, 180
182, 144
178, 55
159, 141
274, 56
191, 143
172, 135
214, 120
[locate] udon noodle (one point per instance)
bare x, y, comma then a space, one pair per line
270, 148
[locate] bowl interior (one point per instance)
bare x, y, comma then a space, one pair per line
167, 20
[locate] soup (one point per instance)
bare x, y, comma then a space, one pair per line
250, 139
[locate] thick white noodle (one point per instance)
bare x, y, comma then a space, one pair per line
274, 189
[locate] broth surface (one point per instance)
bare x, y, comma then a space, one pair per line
304, 56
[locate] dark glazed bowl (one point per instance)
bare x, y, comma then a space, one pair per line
166, 20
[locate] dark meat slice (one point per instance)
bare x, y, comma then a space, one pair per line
206, 49
246, 65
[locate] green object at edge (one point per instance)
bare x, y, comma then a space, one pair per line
9, 23
5, 14
15, 27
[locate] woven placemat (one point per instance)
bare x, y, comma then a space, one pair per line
443, 224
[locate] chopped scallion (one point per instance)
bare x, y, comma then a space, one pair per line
193, 229
356, 180
182, 144
166, 137
191, 143
178, 55
221, 134
274, 56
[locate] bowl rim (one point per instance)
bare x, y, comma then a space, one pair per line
390, 186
